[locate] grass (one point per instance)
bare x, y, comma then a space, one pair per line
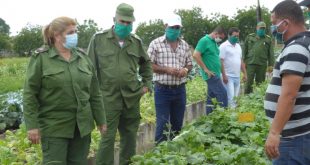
12, 73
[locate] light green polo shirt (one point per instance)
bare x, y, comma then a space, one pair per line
210, 55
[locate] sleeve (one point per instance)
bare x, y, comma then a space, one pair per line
96, 101
294, 60
145, 70
189, 57
31, 92
245, 49
222, 51
201, 45
152, 52
271, 54
91, 50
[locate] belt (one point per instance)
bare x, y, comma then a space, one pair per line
169, 86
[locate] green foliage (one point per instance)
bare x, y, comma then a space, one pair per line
12, 73
4, 28
5, 42
86, 31
29, 39
218, 138
16, 149
149, 32
246, 20
194, 25
10, 110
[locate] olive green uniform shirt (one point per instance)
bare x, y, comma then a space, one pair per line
60, 94
123, 70
258, 51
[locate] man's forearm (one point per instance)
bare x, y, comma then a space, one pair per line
199, 61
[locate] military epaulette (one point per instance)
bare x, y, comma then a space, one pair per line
252, 34
136, 37
267, 36
41, 50
103, 32
81, 51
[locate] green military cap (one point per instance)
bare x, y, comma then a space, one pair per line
125, 12
261, 24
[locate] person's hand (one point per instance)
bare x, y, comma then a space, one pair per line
244, 78
225, 79
182, 72
34, 136
145, 90
172, 71
272, 145
270, 69
209, 73
102, 128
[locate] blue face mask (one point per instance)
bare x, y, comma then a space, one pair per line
172, 34
274, 30
71, 41
122, 31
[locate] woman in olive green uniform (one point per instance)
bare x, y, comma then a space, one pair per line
62, 98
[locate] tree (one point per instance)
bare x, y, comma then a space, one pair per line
194, 25
5, 44
4, 28
5, 41
224, 21
85, 32
246, 19
28, 40
148, 32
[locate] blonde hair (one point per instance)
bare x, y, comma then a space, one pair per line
58, 25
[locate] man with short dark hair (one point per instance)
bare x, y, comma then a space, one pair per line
207, 57
232, 65
287, 100
171, 62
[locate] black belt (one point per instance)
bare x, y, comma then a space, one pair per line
169, 86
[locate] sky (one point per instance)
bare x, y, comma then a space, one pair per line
18, 13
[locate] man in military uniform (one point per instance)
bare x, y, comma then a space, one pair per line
257, 55
120, 58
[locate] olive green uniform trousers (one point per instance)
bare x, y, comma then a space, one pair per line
254, 72
126, 121
66, 151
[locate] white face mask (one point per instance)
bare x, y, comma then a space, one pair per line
217, 39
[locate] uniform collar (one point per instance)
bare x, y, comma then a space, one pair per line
53, 53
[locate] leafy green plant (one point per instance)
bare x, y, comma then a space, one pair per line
218, 138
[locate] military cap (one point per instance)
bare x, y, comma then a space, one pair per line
304, 3
261, 24
125, 12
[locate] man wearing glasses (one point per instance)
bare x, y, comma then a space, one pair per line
120, 59
171, 62
257, 55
